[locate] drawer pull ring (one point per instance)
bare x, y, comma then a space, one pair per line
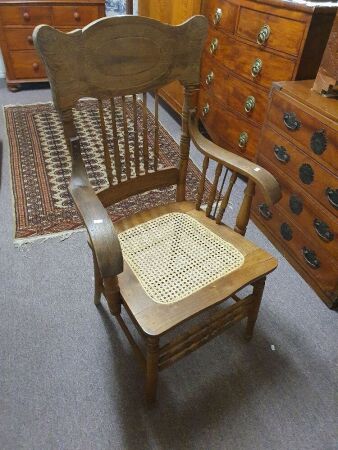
256, 67
318, 142
77, 16
209, 78
332, 196
250, 103
205, 109
263, 34
213, 45
217, 16
306, 173
26, 15
243, 139
281, 154
35, 66
264, 211
30, 40
286, 231
296, 204
290, 121
311, 258
323, 230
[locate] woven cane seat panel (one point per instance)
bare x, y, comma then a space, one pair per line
174, 256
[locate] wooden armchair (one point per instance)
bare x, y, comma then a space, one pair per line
168, 264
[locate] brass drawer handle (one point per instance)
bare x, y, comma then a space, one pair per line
243, 139
35, 66
264, 211
209, 78
205, 109
332, 196
263, 34
311, 258
323, 230
306, 173
256, 67
26, 16
217, 16
281, 154
286, 231
77, 16
250, 103
295, 204
318, 142
290, 121
30, 40
213, 45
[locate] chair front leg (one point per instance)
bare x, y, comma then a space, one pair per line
152, 357
112, 293
98, 281
258, 289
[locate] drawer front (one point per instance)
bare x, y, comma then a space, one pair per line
271, 31
315, 260
226, 128
221, 14
26, 15
315, 179
318, 224
254, 64
249, 100
75, 16
26, 64
317, 139
21, 38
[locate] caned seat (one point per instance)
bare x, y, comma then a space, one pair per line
165, 265
157, 313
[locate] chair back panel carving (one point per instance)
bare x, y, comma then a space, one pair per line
119, 56
117, 60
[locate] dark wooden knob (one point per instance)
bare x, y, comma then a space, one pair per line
26, 15
30, 40
35, 66
77, 16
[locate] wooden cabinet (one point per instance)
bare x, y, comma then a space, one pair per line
173, 12
17, 22
298, 145
250, 45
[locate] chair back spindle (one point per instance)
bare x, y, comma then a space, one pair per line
117, 60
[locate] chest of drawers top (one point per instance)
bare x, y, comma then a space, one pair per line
250, 45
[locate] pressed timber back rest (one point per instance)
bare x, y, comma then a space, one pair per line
117, 60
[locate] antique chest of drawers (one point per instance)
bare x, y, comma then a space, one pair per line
17, 21
299, 146
250, 45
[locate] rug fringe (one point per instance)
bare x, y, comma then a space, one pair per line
23, 244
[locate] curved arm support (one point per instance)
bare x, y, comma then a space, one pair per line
260, 176
101, 231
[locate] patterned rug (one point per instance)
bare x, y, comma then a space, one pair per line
41, 167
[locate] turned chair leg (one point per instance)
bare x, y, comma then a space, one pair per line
152, 369
111, 291
98, 282
258, 288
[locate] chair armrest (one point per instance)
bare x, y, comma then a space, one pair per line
102, 234
260, 176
